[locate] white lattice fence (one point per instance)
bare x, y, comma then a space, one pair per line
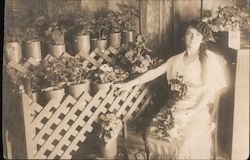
57, 129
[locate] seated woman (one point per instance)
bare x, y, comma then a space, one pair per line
182, 128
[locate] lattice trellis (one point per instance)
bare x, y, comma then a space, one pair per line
57, 129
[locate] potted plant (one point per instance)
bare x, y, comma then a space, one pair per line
13, 36
226, 26
128, 14
100, 28
82, 28
76, 75
110, 127
54, 79
32, 46
55, 38
105, 76
135, 57
115, 29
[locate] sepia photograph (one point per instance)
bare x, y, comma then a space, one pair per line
126, 79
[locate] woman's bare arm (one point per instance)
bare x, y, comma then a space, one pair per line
146, 77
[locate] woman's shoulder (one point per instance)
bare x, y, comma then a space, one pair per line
176, 57
215, 57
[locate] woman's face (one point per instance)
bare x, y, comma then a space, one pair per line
193, 38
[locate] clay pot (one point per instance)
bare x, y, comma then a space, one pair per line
102, 44
128, 36
81, 43
56, 50
33, 49
115, 40
77, 89
13, 52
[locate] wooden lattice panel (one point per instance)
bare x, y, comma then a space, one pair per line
59, 128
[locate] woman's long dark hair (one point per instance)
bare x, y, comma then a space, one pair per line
206, 32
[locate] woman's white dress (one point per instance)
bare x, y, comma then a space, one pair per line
190, 138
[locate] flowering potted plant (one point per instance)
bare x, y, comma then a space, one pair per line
128, 14
226, 26
110, 127
104, 76
134, 57
81, 29
54, 79
76, 76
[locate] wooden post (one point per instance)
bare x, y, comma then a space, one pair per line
27, 126
240, 141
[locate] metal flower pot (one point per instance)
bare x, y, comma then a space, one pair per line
33, 49
101, 44
77, 89
128, 36
115, 40
13, 52
108, 150
56, 94
81, 43
56, 50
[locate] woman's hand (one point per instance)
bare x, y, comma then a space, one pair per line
122, 87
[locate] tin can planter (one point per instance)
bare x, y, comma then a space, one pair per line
13, 52
57, 50
33, 49
115, 40
81, 43
54, 93
229, 39
108, 150
128, 36
77, 89
102, 44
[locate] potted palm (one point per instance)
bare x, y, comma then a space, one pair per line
55, 39
100, 28
110, 127
13, 36
226, 26
128, 14
81, 38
